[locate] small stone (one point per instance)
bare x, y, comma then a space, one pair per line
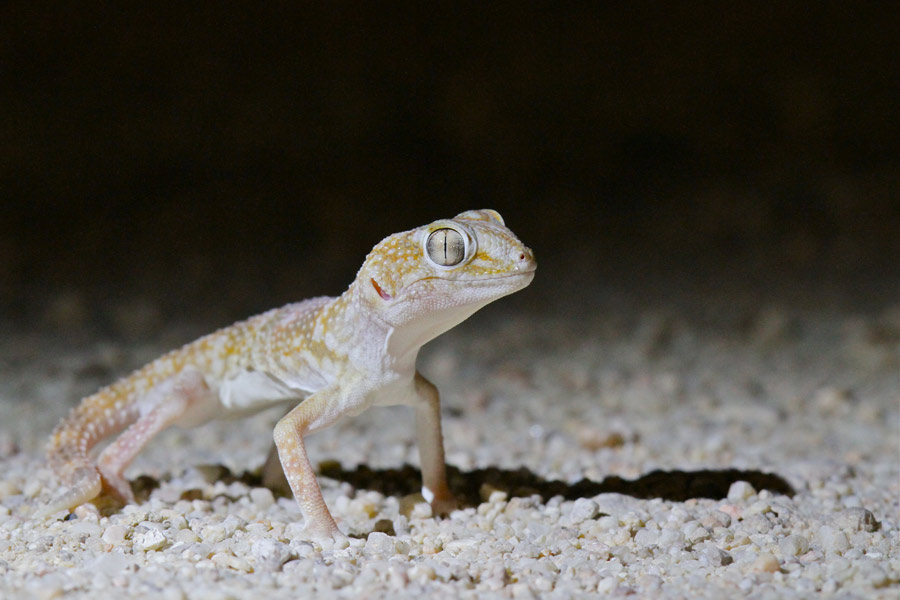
109, 563
270, 554
717, 557
85, 529
262, 497
832, 540
584, 509
758, 523
527, 550
303, 549
646, 537
760, 507
607, 585
498, 497
765, 563
173, 519
543, 584
186, 536
521, 591
88, 512
47, 591
740, 490
195, 551
380, 544
363, 507
421, 510
697, 533
716, 519
871, 574
398, 575
422, 572
212, 534
233, 523
671, 538
145, 539
606, 523
9, 488
858, 519
224, 559
732, 510
793, 545
115, 535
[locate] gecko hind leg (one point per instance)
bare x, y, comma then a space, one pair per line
177, 399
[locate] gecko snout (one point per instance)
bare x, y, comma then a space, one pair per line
525, 261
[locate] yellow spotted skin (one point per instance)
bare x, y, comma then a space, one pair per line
330, 357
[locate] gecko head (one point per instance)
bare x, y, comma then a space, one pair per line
435, 276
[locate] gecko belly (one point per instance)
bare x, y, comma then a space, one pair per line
253, 391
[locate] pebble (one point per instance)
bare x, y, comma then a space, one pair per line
793, 545
109, 564
380, 544
269, 554
145, 539
115, 535
717, 557
832, 539
740, 491
858, 519
584, 509
262, 498
765, 563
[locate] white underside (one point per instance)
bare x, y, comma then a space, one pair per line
253, 391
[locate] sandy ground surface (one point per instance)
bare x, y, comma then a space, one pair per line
662, 445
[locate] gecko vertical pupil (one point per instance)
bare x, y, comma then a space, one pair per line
446, 247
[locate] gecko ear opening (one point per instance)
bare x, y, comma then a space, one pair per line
384, 295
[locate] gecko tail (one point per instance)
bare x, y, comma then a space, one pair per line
68, 453
83, 485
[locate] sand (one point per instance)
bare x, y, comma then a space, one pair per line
665, 447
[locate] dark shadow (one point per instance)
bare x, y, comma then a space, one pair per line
676, 486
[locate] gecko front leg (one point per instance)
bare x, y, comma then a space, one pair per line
316, 412
431, 448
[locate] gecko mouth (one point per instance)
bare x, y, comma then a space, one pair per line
518, 279
479, 280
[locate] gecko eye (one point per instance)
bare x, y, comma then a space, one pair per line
445, 247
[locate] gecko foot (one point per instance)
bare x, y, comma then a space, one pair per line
117, 487
327, 538
443, 506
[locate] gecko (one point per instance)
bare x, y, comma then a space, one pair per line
331, 356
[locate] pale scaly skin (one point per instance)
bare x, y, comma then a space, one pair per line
335, 356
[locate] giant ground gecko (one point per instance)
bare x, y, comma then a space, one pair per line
330, 356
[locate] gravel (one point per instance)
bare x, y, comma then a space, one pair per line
775, 431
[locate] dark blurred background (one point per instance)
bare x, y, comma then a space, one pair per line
224, 158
